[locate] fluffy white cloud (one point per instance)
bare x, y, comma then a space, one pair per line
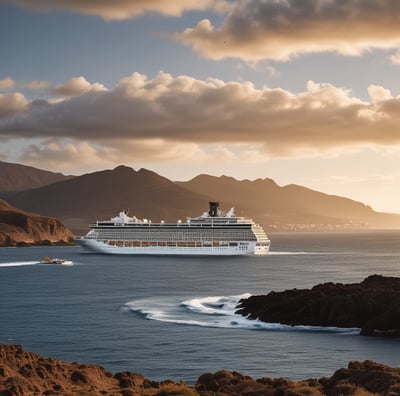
168, 117
77, 86
378, 93
6, 83
119, 9
283, 29
12, 104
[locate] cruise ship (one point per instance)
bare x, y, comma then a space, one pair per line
214, 233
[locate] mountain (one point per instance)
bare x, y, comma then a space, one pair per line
15, 177
291, 206
102, 195
21, 228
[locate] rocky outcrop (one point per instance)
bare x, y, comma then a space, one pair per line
19, 228
227, 383
375, 378
372, 305
360, 378
24, 373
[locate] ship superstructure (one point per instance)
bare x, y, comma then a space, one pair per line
212, 233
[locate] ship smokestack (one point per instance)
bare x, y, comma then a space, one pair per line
213, 212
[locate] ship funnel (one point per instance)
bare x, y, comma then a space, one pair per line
213, 209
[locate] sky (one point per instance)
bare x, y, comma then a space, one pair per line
301, 91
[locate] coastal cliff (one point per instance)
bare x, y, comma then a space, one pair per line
25, 373
372, 305
19, 228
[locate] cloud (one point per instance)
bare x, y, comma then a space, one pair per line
283, 29
12, 104
395, 58
378, 93
120, 9
6, 83
60, 154
37, 85
65, 154
166, 117
77, 86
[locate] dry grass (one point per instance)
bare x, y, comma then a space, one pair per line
180, 389
302, 389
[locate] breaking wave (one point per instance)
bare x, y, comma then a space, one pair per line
212, 311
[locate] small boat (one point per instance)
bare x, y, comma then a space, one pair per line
49, 260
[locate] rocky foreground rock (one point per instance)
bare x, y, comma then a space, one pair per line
372, 305
19, 228
25, 373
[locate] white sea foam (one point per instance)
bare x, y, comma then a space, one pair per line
24, 263
273, 253
18, 263
218, 305
300, 253
212, 311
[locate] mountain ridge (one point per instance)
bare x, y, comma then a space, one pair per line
293, 205
17, 177
100, 195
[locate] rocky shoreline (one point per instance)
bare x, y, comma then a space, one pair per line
372, 305
25, 373
19, 229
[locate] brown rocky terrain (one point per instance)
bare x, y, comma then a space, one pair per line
19, 228
24, 373
372, 305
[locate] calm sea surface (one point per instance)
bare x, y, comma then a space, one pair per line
173, 317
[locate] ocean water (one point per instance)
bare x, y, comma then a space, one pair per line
173, 317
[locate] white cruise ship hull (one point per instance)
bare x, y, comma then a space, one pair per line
242, 248
211, 234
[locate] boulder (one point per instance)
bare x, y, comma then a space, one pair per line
372, 305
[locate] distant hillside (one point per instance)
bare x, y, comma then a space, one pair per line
21, 228
15, 177
290, 207
102, 195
